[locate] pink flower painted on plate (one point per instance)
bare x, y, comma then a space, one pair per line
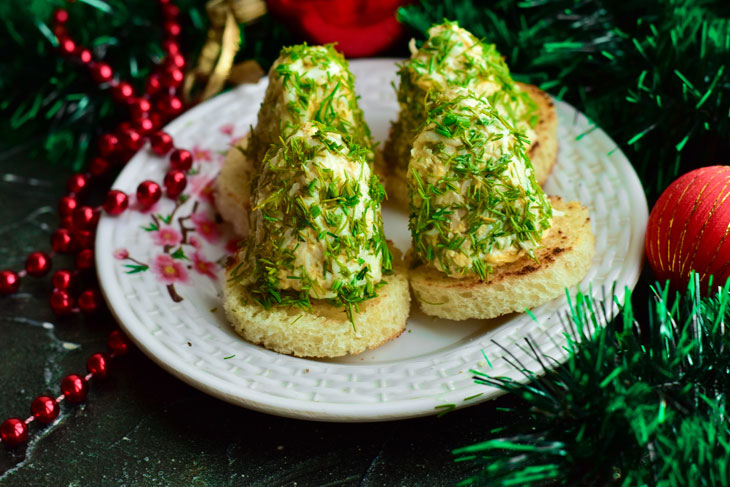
195, 242
206, 227
203, 266
200, 154
236, 140
166, 236
169, 270
203, 186
227, 129
121, 254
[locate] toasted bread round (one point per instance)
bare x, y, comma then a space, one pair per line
233, 187
563, 261
543, 151
325, 330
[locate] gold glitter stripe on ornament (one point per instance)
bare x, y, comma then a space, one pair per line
215, 63
697, 202
670, 223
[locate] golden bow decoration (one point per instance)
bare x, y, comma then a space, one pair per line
215, 63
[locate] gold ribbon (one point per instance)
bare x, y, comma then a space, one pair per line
215, 63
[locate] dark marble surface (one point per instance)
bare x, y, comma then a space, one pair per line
142, 427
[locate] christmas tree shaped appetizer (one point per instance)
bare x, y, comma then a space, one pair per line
306, 83
453, 58
486, 239
315, 276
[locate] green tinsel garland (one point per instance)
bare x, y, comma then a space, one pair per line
635, 403
655, 74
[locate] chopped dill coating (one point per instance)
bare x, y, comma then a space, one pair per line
453, 58
308, 83
474, 200
316, 225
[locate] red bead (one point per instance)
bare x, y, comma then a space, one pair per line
170, 47
97, 365
44, 409
170, 11
108, 143
61, 302
148, 193
88, 301
172, 76
117, 343
62, 279
175, 182
85, 217
9, 282
101, 72
66, 45
60, 16
85, 259
139, 106
171, 28
83, 54
13, 432
144, 125
84, 238
170, 105
181, 160
177, 60
74, 387
77, 183
38, 264
116, 202
67, 205
98, 166
67, 222
161, 143
62, 241
122, 92
131, 140
154, 84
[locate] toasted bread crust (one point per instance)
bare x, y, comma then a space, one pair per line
563, 261
543, 151
325, 331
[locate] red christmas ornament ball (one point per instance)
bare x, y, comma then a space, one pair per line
74, 387
175, 182
688, 228
98, 365
9, 282
161, 143
13, 431
61, 302
62, 279
181, 160
38, 264
62, 241
148, 193
44, 409
116, 202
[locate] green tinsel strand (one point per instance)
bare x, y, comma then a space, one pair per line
654, 73
634, 404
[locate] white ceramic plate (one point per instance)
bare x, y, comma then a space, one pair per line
161, 281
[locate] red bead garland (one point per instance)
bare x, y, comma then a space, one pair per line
97, 365
88, 301
38, 264
44, 409
181, 160
61, 302
175, 182
148, 193
116, 202
74, 388
62, 241
13, 431
9, 282
62, 279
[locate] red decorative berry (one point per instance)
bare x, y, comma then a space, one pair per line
177, 60
117, 343
172, 76
74, 387
84, 238
77, 183
44, 409
60, 16
148, 193
85, 218
175, 182
116, 202
83, 54
66, 222
13, 431
170, 47
98, 166
154, 84
97, 365
161, 143
144, 125
181, 160
139, 106
67, 205
62, 279
122, 92
9, 282
131, 140
38, 264
101, 72
85, 259
62, 241
170, 11
108, 144
66, 45
61, 302
171, 28
170, 105
88, 301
